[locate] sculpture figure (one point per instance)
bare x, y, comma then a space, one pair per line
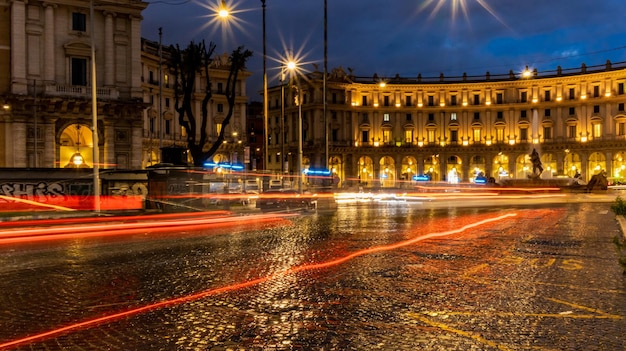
537, 166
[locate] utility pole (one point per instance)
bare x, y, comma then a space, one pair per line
325, 74
160, 93
94, 112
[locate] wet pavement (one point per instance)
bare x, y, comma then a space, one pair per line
385, 277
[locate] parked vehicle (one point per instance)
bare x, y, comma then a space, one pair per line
285, 199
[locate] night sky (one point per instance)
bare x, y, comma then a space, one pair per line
405, 37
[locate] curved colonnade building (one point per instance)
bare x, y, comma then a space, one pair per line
383, 132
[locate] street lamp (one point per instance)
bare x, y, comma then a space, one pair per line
223, 11
265, 98
292, 66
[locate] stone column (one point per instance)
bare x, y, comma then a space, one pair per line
136, 141
49, 145
135, 57
109, 54
20, 154
109, 144
49, 52
18, 48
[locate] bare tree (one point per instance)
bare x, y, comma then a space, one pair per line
185, 65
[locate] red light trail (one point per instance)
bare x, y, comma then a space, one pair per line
32, 235
237, 286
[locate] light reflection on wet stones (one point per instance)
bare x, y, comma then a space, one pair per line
458, 293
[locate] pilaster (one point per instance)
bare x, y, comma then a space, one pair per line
19, 84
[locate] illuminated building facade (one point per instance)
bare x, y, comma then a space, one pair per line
45, 83
388, 132
165, 131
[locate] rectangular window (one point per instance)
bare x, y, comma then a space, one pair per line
167, 102
522, 114
220, 107
597, 130
572, 111
454, 136
151, 125
620, 88
453, 116
596, 91
572, 93
453, 100
499, 98
431, 117
386, 136
386, 100
547, 112
334, 98
476, 116
364, 100
168, 126
220, 87
408, 136
79, 71
571, 131
407, 101
365, 136
218, 128
334, 135
385, 117
431, 100
431, 136
500, 135
409, 117
166, 80
79, 22
621, 128
476, 99
476, 135
524, 97
547, 133
596, 108
620, 107
500, 115
523, 134
546, 95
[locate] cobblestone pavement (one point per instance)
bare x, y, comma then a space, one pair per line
538, 279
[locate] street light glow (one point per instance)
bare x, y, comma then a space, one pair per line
223, 11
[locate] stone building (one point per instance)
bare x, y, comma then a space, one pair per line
45, 83
160, 120
391, 131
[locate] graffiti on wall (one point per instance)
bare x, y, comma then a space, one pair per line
46, 190
40, 191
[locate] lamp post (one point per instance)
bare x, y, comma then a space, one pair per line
282, 121
265, 98
94, 112
292, 66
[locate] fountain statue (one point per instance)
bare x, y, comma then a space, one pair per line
537, 166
